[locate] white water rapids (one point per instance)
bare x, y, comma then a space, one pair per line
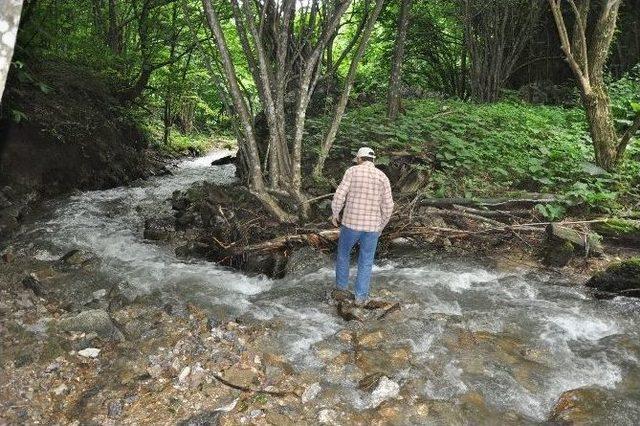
570, 339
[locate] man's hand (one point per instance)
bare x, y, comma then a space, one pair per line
334, 221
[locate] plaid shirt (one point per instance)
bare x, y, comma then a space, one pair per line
367, 193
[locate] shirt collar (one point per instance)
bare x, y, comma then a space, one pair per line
368, 164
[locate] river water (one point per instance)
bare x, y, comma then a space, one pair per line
519, 339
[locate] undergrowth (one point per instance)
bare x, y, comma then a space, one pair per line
482, 150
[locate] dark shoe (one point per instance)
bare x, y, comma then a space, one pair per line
341, 295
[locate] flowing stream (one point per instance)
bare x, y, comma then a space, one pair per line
519, 339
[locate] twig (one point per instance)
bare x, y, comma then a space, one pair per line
320, 197
248, 389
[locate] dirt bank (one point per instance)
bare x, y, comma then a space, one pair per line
61, 130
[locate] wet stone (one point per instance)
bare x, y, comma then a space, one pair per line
370, 382
31, 282
311, 392
114, 408
80, 259
95, 320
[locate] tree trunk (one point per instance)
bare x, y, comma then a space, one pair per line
10, 13
586, 51
601, 127
394, 99
249, 145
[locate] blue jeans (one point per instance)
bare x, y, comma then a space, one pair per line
368, 242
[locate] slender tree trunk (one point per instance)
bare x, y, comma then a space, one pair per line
601, 126
10, 16
114, 38
586, 51
330, 136
394, 101
250, 147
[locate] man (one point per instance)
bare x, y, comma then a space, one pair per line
365, 194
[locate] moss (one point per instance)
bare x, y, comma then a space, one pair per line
559, 254
617, 226
618, 277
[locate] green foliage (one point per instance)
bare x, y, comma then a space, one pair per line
480, 150
551, 212
625, 98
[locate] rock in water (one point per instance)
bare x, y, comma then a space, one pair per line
80, 259
159, 229
311, 392
385, 390
393, 308
227, 159
348, 312
622, 278
370, 382
578, 406
96, 320
31, 282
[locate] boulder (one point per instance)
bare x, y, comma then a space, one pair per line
92, 321
562, 244
622, 278
305, 260
619, 231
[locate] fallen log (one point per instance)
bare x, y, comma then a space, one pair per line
511, 214
491, 203
470, 216
312, 238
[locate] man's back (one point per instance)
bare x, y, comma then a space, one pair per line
365, 193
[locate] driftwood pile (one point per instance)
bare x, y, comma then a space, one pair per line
459, 218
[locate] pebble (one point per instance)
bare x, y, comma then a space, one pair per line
197, 375
89, 352
114, 409
386, 389
59, 390
182, 378
327, 416
99, 294
155, 371
52, 367
311, 392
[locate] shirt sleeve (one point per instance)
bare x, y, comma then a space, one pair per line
341, 194
386, 206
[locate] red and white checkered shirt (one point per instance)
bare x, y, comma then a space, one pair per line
365, 194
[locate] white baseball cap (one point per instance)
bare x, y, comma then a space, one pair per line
365, 152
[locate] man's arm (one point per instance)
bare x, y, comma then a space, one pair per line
386, 206
340, 195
